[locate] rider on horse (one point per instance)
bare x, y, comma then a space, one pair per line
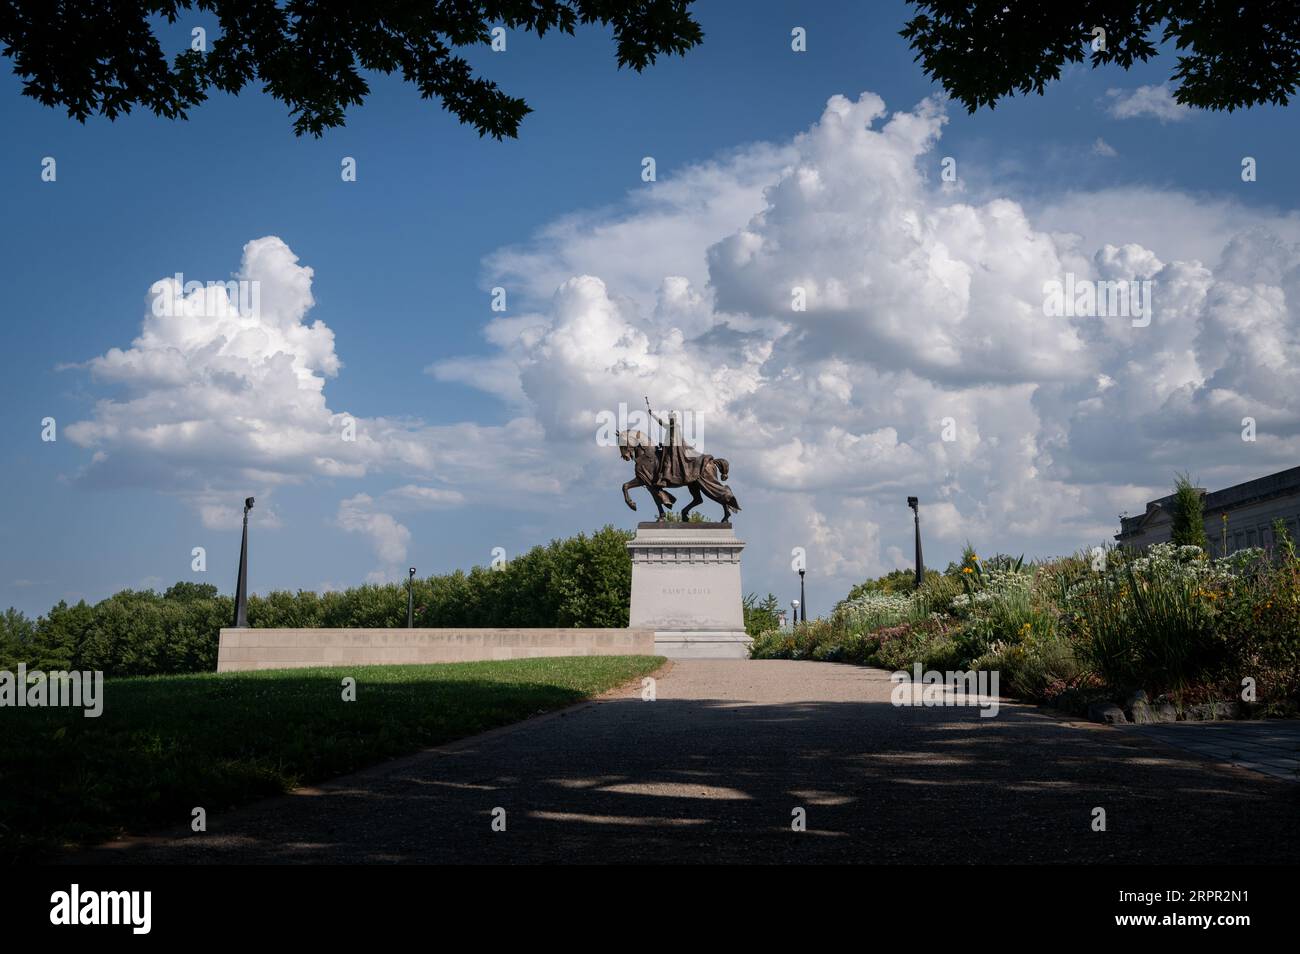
675, 465
670, 463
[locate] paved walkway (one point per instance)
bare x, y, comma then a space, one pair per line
1269, 747
716, 767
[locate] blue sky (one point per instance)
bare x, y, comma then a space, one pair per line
403, 258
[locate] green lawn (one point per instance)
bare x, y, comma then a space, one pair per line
165, 744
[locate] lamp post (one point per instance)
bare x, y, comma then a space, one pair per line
410, 598
804, 602
794, 619
241, 585
915, 504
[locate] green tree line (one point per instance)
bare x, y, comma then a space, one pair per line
578, 581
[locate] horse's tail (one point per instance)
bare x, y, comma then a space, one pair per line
723, 468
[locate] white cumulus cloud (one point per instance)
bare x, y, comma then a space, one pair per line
388, 538
841, 327
1155, 101
918, 310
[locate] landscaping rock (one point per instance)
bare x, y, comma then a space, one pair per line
1211, 711
1107, 712
1140, 713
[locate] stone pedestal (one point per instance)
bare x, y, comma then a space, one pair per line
686, 587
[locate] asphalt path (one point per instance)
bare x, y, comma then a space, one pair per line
732, 755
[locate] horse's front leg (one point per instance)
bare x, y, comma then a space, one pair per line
657, 493
634, 482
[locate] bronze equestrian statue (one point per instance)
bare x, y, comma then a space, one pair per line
674, 464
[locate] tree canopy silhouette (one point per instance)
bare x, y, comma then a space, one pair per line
104, 57
1237, 54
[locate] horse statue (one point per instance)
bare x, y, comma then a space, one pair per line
675, 465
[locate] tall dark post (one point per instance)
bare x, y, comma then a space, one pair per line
803, 601
915, 504
241, 587
410, 599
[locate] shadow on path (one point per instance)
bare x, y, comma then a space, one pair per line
717, 779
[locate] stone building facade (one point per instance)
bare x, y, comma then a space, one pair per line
1250, 509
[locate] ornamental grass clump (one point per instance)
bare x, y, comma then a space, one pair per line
1149, 622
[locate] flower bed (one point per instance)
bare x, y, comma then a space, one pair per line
1081, 630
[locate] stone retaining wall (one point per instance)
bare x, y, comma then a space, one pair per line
244, 649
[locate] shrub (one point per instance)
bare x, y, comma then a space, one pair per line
930, 643
937, 594
1039, 666
1188, 515
895, 581
772, 644
760, 617
872, 610
1259, 629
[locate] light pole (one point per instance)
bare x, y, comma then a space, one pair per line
241, 586
915, 504
410, 598
803, 601
794, 619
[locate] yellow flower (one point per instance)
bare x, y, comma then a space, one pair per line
967, 569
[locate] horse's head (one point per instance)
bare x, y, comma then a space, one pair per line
630, 442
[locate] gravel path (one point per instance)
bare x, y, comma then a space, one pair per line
713, 769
